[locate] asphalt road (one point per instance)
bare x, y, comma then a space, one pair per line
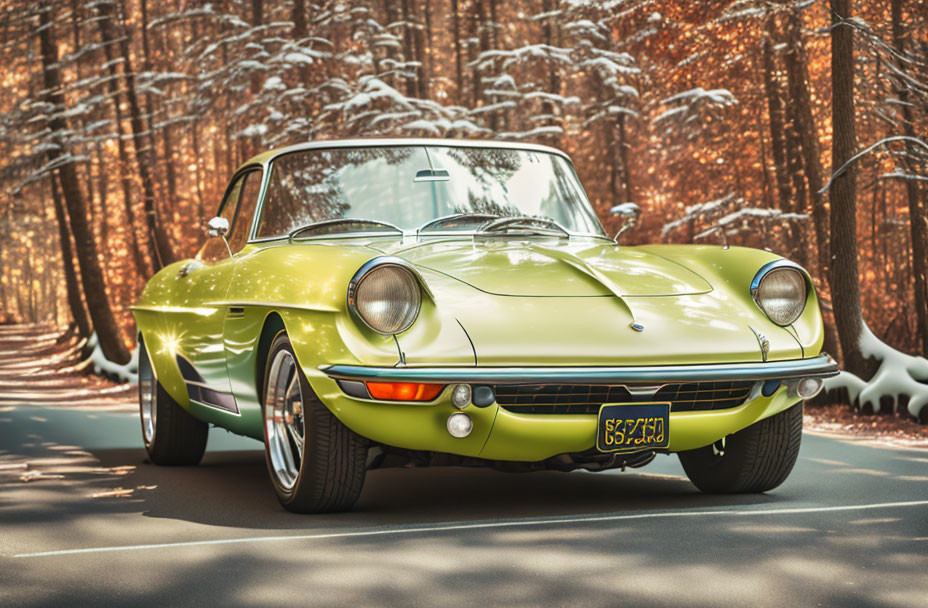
95, 524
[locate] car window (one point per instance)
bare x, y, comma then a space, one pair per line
365, 183
230, 203
247, 202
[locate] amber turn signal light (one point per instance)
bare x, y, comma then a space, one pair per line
404, 391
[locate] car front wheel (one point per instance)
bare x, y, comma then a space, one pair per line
755, 459
172, 436
316, 463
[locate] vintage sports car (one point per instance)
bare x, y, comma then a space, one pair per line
362, 303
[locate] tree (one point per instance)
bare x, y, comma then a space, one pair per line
75, 296
917, 220
104, 322
843, 271
804, 124
161, 246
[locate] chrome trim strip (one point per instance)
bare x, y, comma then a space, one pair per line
216, 407
328, 144
769, 266
822, 366
276, 305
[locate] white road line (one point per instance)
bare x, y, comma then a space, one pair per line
485, 525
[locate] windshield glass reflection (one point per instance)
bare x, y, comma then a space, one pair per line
412, 186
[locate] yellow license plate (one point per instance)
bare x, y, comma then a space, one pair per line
633, 427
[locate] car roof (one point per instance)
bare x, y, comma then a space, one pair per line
270, 155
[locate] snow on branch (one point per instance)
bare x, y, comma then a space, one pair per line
843, 169
701, 210
899, 375
763, 214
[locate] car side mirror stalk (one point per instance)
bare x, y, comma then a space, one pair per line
218, 228
630, 212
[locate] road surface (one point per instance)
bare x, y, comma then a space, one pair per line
86, 520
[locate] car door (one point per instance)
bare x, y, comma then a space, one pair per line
206, 279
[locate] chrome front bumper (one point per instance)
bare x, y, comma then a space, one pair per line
821, 366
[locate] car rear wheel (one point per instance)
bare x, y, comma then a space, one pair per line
316, 463
172, 436
755, 459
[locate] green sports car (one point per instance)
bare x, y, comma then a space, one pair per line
372, 302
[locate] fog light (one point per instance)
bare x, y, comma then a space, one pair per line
809, 387
460, 396
459, 425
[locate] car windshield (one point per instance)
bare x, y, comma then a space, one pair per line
412, 186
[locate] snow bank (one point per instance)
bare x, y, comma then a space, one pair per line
899, 374
128, 372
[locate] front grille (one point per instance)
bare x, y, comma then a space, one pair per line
587, 398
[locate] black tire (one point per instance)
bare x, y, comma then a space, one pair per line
755, 459
178, 439
333, 465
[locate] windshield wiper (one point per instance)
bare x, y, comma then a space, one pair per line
525, 223
337, 225
456, 219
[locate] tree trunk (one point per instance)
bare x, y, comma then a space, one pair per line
409, 49
775, 110
103, 185
104, 321
623, 158
801, 102
164, 254
554, 81
424, 47
299, 19
195, 143
917, 226
486, 26
458, 58
75, 302
124, 162
845, 287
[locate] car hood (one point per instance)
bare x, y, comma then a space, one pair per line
547, 268
719, 326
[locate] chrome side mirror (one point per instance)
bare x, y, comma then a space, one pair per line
630, 212
218, 227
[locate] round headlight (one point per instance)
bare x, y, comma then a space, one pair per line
781, 294
387, 299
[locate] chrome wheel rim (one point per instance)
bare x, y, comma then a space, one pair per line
147, 399
283, 419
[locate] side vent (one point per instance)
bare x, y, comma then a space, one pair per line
235, 312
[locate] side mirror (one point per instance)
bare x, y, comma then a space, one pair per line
218, 227
630, 212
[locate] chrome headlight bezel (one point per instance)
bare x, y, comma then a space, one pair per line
369, 270
770, 269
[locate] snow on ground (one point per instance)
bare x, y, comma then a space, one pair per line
128, 372
899, 374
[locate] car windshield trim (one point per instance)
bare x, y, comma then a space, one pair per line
427, 227
411, 234
501, 226
295, 233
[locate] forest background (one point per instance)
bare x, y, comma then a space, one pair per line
796, 126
